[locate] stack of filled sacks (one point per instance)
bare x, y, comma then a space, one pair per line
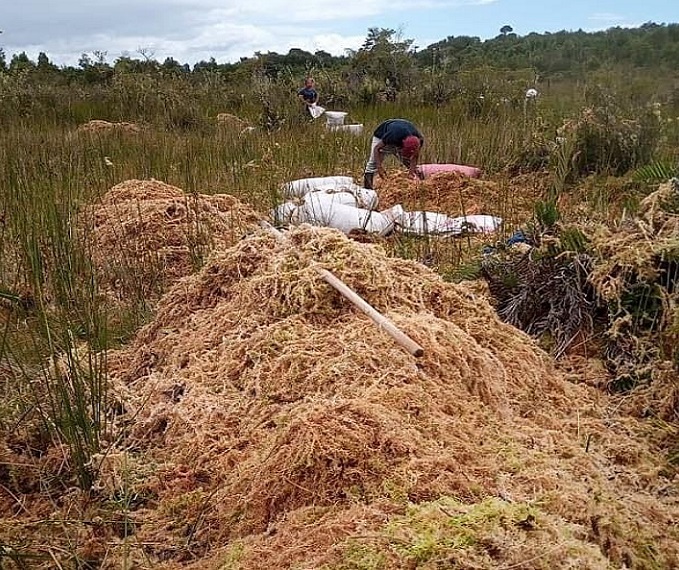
332, 201
337, 202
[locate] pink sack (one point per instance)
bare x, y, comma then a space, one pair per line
428, 170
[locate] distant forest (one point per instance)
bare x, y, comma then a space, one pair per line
564, 54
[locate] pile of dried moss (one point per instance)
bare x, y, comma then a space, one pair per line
455, 194
263, 422
147, 234
97, 126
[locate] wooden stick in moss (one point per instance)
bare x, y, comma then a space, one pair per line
343, 289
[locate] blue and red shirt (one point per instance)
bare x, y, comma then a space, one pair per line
392, 132
308, 94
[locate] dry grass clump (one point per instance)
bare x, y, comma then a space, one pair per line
97, 126
281, 421
147, 234
635, 248
599, 198
659, 397
637, 274
232, 122
611, 291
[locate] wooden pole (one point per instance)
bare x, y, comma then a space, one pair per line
343, 289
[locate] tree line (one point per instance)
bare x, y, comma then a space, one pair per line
561, 53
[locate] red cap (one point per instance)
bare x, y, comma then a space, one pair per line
411, 145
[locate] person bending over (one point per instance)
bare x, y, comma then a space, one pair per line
396, 137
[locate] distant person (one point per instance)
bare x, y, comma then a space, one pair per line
309, 96
396, 137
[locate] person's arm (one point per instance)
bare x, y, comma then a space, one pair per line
412, 166
378, 159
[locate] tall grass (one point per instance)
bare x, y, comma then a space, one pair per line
60, 352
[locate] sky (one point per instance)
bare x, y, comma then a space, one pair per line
197, 30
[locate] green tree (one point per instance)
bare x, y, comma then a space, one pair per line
206, 66
95, 69
21, 62
171, 65
44, 63
384, 63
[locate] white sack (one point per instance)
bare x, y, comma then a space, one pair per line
284, 213
298, 188
423, 223
320, 209
481, 223
316, 110
356, 129
335, 117
365, 197
395, 213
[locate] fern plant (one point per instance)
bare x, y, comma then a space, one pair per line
546, 214
656, 172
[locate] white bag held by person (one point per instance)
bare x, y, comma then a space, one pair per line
316, 110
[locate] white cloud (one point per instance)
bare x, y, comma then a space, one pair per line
604, 20
607, 17
191, 30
